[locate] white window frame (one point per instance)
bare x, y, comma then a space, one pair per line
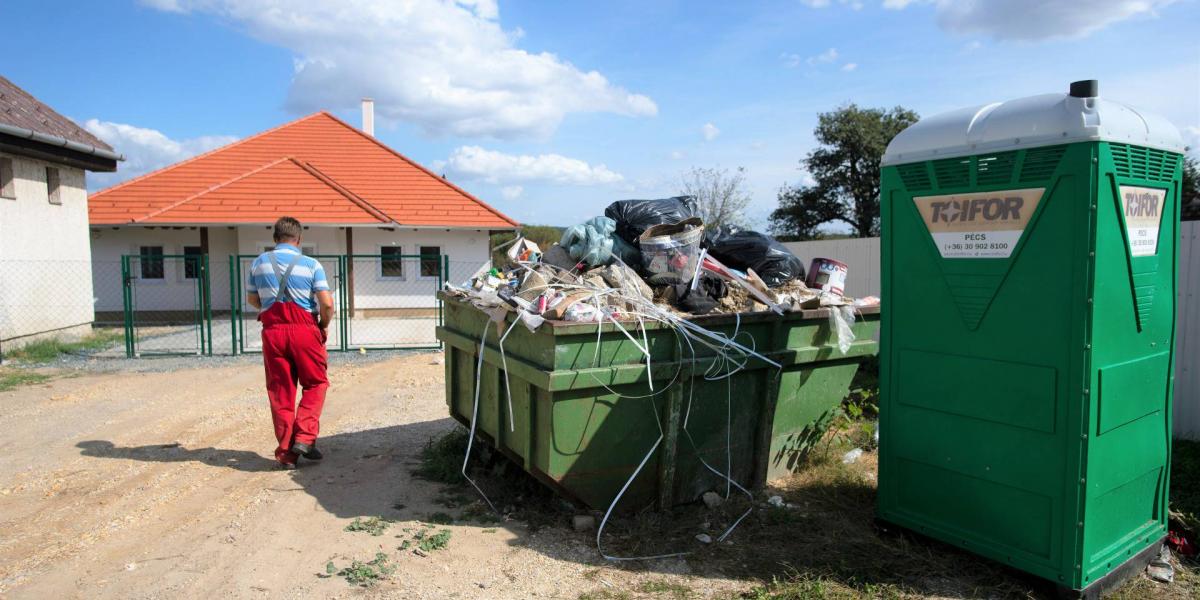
8, 178
136, 250
379, 276
419, 259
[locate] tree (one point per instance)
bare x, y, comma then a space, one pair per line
720, 195
845, 170
1191, 190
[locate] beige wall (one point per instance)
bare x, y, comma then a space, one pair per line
45, 258
861, 255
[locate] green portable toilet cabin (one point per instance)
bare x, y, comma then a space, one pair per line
1029, 265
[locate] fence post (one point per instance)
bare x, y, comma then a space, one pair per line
127, 302
234, 281
207, 302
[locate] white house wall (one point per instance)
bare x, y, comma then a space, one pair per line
466, 249
45, 266
173, 291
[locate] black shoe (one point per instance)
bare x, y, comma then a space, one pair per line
307, 451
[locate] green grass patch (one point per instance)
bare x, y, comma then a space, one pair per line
441, 458
49, 350
666, 588
372, 525
11, 379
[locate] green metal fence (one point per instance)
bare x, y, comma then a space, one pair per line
381, 301
245, 328
167, 304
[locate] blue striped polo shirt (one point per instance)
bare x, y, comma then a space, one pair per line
307, 276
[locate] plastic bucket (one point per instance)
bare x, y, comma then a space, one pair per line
828, 274
671, 253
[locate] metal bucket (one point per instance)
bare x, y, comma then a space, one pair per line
828, 274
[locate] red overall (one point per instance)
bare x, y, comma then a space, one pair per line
293, 351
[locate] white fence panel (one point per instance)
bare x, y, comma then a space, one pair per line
1187, 334
861, 255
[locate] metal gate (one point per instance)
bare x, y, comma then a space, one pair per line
167, 304
391, 300
247, 331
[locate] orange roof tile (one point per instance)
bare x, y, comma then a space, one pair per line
318, 169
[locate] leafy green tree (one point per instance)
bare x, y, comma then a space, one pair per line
845, 169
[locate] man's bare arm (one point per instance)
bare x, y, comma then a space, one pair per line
253, 299
325, 302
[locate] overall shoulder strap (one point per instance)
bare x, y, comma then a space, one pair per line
284, 293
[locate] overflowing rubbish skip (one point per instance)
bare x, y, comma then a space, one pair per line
614, 382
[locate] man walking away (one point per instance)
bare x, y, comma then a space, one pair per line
295, 307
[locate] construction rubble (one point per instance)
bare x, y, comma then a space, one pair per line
646, 259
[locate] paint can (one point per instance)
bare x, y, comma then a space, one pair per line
827, 274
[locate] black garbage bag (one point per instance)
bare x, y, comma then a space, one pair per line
703, 299
634, 217
742, 250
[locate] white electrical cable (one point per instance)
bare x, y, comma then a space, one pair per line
475, 416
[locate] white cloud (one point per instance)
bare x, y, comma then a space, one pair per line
474, 162
849, 66
791, 60
710, 132
145, 149
511, 192
827, 56
677, 155
445, 65
1033, 20
1191, 138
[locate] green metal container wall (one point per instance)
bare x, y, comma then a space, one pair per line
572, 429
1025, 401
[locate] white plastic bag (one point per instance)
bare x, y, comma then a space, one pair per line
840, 320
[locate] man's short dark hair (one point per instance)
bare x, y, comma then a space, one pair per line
286, 228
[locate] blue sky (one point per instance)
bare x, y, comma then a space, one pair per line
551, 110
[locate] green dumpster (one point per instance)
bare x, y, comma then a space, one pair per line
582, 425
1029, 265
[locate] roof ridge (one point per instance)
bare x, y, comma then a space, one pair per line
414, 163
164, 209
202, 155
345, 191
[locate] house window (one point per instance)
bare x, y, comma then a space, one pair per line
431, 261
192, 255
8, 188
53, 189
151, 260
391, 263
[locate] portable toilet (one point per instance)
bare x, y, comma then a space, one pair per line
1029, 265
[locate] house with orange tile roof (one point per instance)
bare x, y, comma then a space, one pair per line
45, 262
354, 195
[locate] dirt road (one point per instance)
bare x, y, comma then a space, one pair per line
159, 485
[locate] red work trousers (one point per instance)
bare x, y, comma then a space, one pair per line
293, 351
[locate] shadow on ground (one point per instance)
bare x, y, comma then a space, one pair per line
821, 543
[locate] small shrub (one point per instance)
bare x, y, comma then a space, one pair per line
436, 541
372, 525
